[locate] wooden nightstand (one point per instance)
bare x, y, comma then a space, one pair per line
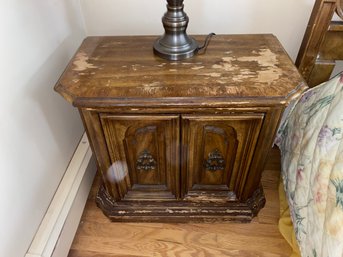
181, 141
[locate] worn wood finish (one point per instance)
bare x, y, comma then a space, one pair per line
331, 49
332, 46
116, 71
98, 237
231, 139
181, 141
264, 143
322, 43
339, 8
143, 155
321, 72
94, 131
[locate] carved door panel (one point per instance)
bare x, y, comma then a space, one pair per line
217, 151
144, 152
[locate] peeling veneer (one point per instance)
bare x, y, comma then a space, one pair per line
197, 67
150, 88
267, 70
81, 62
267, 60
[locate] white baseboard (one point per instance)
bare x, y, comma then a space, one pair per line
58, 227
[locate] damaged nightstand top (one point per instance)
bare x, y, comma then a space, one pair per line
117, 71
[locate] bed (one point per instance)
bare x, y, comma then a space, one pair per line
310, 139
311, 144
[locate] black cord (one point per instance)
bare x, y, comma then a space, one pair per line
207, 41
338, 74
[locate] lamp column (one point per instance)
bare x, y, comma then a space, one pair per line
175, 44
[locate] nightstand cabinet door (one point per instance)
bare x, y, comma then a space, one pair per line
217, 152
144, 152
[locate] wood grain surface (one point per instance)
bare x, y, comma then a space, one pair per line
99, 237
182, 141
322, 43
234, 68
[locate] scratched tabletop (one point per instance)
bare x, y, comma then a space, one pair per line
234, 68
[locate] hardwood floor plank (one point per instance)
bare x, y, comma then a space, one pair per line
193, 244
231, 253
129, 230
81, 253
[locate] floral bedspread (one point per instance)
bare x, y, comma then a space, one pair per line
311, 143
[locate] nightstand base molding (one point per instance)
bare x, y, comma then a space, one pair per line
180, 211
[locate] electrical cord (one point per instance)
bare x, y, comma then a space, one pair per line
206, 43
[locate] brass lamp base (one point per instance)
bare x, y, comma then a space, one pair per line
175, 44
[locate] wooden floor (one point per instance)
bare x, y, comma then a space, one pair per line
98, 237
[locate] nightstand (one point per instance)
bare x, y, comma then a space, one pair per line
181, 141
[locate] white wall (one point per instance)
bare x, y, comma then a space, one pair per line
39, 130
286, 19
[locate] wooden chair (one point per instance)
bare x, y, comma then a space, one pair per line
323, 42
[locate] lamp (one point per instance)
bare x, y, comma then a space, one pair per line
175, 44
